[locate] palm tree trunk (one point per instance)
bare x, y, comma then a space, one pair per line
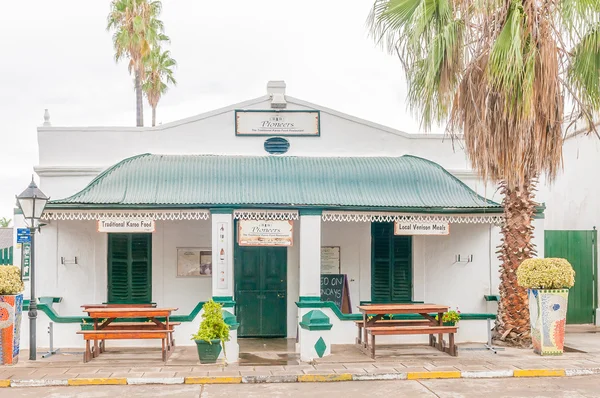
512, 322
139, 103
153, 115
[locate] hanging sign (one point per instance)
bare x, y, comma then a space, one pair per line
265, 233
330, 260
421, 228
281, 123
133, 225
222, 255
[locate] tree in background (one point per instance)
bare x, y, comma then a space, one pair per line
136, 30
5, 222
500, 72
158, 75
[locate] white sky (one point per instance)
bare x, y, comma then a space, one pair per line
58, 55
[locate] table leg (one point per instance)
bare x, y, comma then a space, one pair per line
365, 336
87, 354
96, 347
372, 346
164, 350
169, 337
441, 335
453, 350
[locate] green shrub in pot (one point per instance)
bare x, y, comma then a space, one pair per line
212, 334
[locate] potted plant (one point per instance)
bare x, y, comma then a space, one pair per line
212, 334
450, 318
548, 281
11, 309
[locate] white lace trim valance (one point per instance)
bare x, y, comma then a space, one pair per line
349, 216
265, 214
157, 215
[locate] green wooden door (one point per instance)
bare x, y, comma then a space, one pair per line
261, 291
579, 248
391, 265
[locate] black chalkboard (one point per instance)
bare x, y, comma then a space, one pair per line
334, 287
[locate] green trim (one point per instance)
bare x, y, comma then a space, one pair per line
315, 320
230, 319
491, 297
306, 299
54, 317
277, 111
213, 208
311, 212
357, 317
221, 210
225, 301
16, 211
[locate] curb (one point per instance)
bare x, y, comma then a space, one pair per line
305, 378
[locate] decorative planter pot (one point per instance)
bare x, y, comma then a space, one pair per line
548, 313
449, 323
207, 352
11, 310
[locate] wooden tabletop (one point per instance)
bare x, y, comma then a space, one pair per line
402, 308
128, 312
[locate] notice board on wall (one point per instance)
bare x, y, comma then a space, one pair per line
334, 287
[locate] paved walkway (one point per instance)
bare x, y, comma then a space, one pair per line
263, 363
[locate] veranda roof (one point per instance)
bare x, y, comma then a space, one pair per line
196, 181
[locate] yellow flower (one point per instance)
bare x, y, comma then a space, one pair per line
546, 273
10, 280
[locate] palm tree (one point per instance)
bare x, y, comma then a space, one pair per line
4, 222
500, 72
136, 30
158, 74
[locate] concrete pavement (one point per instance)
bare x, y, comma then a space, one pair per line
576, 387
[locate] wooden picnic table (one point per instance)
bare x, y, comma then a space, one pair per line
372, 322
104, 328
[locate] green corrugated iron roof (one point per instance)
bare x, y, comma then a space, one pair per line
149, 180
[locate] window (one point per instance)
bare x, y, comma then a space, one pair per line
130, 268
391, 265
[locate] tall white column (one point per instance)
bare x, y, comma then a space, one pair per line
310, 254
222, 254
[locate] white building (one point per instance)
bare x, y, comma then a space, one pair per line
328, 182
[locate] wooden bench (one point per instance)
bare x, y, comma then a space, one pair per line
95, 335
391, 322
409, 330
140, 326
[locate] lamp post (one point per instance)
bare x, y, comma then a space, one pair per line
32, 202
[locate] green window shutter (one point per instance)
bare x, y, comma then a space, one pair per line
391, 265
402, 275
380, 265
129, 268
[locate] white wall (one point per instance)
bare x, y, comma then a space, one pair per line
167, 288
354, 240
572, 201
461, 285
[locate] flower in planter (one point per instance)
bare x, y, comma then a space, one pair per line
450, 316
548, 281
546, 273
10, 280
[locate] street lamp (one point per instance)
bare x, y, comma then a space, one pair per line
32, 202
